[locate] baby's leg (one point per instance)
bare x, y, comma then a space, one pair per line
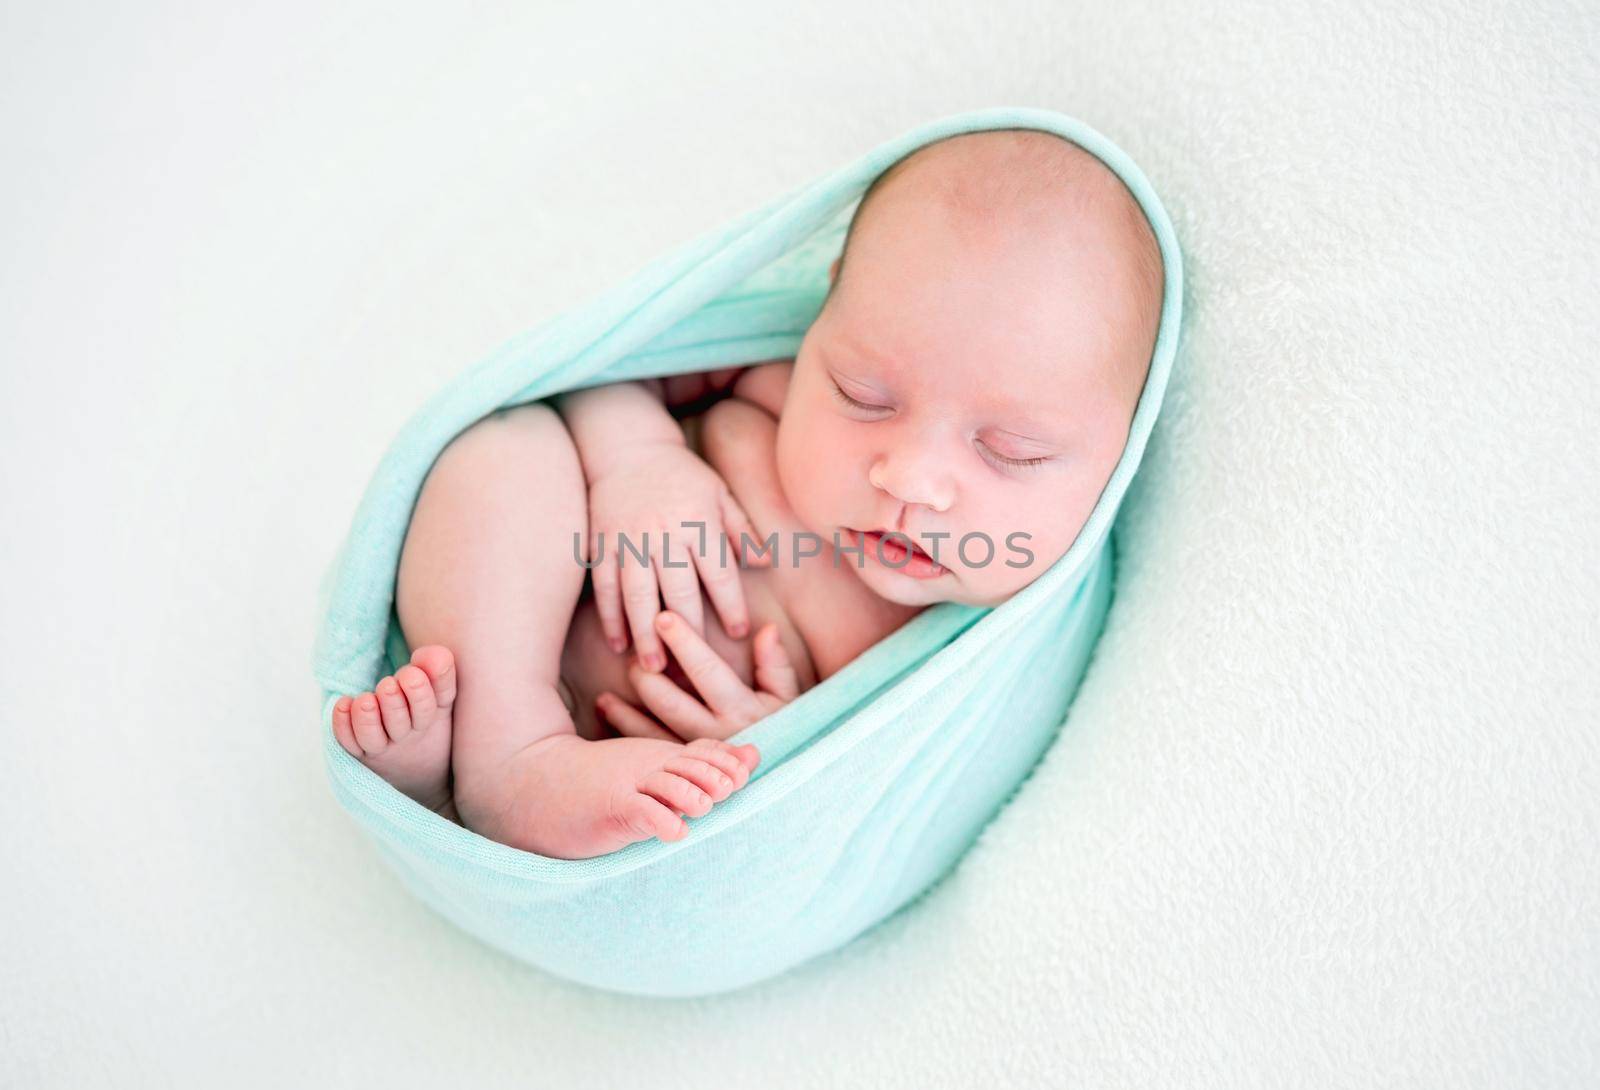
488, 571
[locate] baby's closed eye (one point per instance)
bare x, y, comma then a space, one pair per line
1012, 462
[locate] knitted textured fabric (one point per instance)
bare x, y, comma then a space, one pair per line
872, 784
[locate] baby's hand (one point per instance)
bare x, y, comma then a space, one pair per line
649, 499
729, 704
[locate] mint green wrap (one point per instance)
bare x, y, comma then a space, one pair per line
872, 784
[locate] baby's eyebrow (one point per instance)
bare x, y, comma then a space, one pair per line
840, 372
860, 352
1039, 439
837, 373
866, 363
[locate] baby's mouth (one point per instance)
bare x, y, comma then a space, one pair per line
898, 552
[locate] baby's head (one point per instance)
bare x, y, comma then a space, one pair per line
976, 366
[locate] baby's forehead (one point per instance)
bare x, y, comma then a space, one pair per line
1018, 184
996, 174
1034, 206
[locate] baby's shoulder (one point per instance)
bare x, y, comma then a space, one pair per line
745, 423
766, 385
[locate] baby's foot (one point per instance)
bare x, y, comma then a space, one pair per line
571, 798
402, 730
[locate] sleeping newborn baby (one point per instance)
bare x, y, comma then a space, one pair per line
943, 433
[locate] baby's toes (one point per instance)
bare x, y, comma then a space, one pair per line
366, 726
440, 666
641, 817
418, 692
737, 761
703, 774
392, 709
341, 727
676, 792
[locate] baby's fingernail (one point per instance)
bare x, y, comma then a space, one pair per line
618, 644
663, 620
739, 630
658, 661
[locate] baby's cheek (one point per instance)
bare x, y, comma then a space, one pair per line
804, 472
1023, 547
796, 473
816, 503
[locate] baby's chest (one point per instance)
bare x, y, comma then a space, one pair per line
834, 614
810, 588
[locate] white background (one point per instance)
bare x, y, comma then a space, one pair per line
1325, 812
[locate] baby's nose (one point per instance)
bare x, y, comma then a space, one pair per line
914, 477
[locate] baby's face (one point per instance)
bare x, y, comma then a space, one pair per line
969, 380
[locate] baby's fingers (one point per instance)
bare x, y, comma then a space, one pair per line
641, 602
681, 712
608, 596
726, 591
680, 590
629, 721
722, 690
774, 672
741, 534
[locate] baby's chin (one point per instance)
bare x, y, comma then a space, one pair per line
903, 590
948, 587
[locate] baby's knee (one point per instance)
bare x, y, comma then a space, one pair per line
530, 435
534, 422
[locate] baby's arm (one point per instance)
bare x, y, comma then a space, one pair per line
617, 423
646, 485
619, 420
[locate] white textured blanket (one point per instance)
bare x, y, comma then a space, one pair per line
1326, 813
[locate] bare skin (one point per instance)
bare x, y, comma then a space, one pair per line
486, 592
900, 414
